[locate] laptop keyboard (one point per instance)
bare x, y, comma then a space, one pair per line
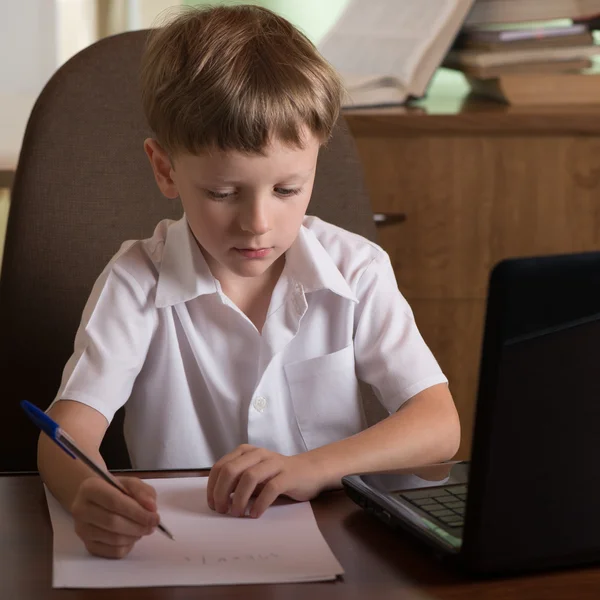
446, 504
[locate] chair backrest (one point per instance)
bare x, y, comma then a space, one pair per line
83, 185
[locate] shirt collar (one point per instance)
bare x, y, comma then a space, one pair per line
184, 273
311, 266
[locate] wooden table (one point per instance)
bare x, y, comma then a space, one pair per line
378, 563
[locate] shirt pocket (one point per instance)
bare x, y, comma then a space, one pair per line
326, 397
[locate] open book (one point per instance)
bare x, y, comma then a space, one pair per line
388, 50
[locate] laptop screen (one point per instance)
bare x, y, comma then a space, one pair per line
531, 496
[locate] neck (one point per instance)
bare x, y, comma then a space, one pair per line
252, 295
253, 286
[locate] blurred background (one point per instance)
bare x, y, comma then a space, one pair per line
38, 36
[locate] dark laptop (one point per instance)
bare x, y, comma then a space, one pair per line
530, 497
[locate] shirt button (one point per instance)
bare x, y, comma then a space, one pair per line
260, 403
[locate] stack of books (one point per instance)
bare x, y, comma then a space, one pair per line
530, 52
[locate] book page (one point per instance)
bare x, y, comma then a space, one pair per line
378, 38
283, 545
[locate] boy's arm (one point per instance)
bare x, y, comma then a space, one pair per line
60, 472
424, 430
111, 344
108, 521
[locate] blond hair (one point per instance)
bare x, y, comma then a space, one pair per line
234, 77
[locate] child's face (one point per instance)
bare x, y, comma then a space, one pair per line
244, 210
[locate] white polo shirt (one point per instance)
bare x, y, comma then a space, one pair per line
199, 379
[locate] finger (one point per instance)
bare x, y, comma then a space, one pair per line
107, 551
272, 489
97, 516
102, 494
229, 475
213, 476
214, 472
241, 449
248, 483
144, 494
90, 533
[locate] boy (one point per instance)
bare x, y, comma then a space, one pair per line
236, 334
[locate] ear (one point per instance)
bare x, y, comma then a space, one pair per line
162, 168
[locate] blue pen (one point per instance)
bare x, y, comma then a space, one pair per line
58, 435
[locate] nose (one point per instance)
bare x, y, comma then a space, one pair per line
255, 216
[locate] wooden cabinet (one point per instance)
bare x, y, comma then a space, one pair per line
477, 184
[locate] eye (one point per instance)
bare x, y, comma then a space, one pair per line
287, 191
218, 195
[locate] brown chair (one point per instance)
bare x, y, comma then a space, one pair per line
83, 185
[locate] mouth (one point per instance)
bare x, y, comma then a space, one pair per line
254, 252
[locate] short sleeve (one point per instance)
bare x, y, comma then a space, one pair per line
111, 343
390, 352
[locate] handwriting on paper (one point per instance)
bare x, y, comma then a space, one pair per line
219, 560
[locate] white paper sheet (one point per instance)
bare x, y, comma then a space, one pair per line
284, 545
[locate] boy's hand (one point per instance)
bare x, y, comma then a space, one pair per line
108, 521
250, 471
